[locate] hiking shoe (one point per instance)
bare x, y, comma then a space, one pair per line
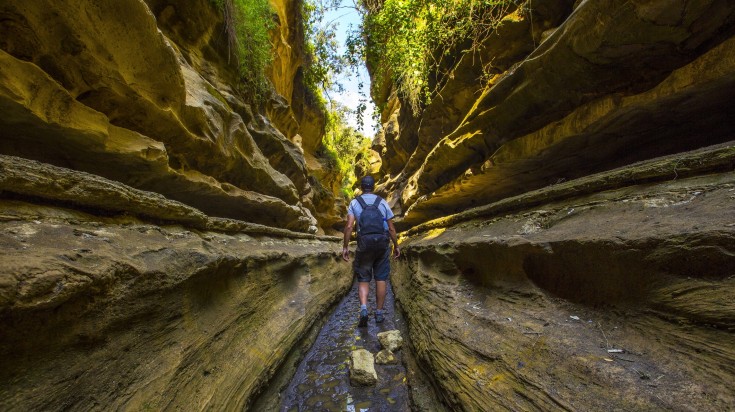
363, 318
379, 318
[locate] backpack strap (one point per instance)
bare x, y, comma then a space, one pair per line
361, 201
376, 203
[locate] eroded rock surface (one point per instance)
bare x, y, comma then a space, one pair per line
563, 89
523, 304
111, 297
142, 92
148, 253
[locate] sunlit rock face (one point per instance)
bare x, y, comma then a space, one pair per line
560, 93
298, 115
152, 254
142, 92
568, 211
117, 298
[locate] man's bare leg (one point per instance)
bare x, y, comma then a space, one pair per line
362, 291
380, 286
363, 288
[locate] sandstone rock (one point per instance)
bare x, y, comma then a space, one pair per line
624, 261
29, 178
288, 54
362, 368
140, 314
512, 42
503, 123
312, 121
282, 153
391, 340
385, 357
505, 111
324, 183
280, 113
90, 102
34, 179
368, 164
399, 139
538, 159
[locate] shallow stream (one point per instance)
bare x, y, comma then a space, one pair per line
322, 383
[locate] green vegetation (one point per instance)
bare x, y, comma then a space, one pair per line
342, 145
247, 23
323, 61
413, 41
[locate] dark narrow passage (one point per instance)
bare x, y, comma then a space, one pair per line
322, 379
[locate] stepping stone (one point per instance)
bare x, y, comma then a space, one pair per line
390, 340
385, 357
362, 368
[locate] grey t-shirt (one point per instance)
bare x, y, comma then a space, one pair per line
355, 209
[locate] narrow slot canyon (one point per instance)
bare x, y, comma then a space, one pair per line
175, 180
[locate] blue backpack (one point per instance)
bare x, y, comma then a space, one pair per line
371, 234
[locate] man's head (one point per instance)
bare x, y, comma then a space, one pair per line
367, 184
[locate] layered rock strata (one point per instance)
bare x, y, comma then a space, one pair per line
561, 92
151, 211
146, 93
115, 298
583, 296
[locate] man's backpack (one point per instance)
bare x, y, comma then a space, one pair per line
371, 233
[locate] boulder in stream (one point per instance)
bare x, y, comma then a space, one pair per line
391, 340
362, 368
385, 357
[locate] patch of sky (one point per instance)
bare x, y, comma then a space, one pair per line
346, 18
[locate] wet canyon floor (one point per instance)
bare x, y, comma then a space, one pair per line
321, 381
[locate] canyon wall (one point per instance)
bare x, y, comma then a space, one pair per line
558, 93
567, 203
117, 298
157, 246
147, 93
602, 293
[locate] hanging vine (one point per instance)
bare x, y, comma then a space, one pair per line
246, 25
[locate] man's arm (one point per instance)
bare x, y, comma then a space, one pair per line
394, 238
347, 235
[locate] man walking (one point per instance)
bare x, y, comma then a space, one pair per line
372, 257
